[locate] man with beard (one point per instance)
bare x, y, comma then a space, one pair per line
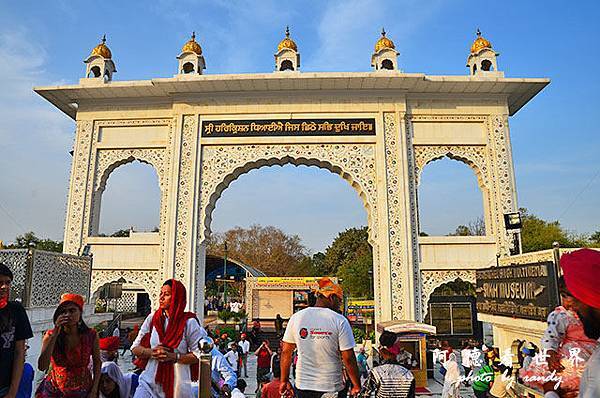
581, 270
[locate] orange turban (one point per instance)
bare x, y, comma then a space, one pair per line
327, 288
110, 343
581, 269
72, 298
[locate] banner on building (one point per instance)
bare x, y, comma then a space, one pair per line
360, 311
522, 291
288, 282
287, 127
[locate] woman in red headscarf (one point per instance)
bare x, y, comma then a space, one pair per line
66, 353
173, 346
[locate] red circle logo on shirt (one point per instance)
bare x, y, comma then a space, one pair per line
303, 333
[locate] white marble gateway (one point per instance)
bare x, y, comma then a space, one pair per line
201, 131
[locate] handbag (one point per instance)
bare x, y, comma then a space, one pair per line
443, 370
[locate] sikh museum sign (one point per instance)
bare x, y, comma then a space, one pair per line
525, 291
376, 129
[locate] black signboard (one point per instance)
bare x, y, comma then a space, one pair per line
521, 291
287, 127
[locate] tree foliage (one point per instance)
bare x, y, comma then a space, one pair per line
350, 258
268, 249
30, 241
473, 228
538, 234
347, 245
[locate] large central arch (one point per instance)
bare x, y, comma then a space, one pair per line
222, 164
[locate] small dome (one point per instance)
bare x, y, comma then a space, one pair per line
191, 46
480, 43
384, 42
102, 49
287, 42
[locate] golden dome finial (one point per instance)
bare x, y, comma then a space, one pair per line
287, 42
384, 42
102, 49
192, 46
480, 43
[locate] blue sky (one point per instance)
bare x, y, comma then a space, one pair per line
555, 138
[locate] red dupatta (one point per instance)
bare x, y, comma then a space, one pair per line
171, 337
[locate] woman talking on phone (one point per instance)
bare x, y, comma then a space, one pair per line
66, 353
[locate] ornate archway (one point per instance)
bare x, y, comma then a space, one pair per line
221, 165
149, 281
434, 279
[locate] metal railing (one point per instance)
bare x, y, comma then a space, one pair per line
41, 277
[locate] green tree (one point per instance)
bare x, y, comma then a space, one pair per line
350, 258
461, 230
268, 249
473, 228
538, 234
595, 237
30, 240
122, 233
313, 265
347, 244
355, 276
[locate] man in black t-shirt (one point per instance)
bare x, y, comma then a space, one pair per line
14, 330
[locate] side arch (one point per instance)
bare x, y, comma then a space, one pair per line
111, 159
108, 160
472, 156
475, 158
149, 280
430, 280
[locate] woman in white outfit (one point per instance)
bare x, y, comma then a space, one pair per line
168, 339
451, 378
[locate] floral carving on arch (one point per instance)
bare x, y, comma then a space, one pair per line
474, 156
110, 159
150, 281
432, 279
223, 164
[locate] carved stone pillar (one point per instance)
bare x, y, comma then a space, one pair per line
80, 176
505, 194
399, 223
185, 194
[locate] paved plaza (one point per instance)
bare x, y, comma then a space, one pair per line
435, 384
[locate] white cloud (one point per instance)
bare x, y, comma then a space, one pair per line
34, 140
348, 30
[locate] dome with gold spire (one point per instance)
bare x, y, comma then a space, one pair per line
192, 46
102, 49
287, 42
480, 43
383, 42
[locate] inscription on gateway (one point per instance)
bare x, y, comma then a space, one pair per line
295, 127
522, 291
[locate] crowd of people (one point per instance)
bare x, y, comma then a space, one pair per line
315, 357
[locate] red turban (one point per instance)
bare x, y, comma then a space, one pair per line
110, 343
581, 269
72, 298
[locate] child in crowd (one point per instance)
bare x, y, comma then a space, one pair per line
565, 348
